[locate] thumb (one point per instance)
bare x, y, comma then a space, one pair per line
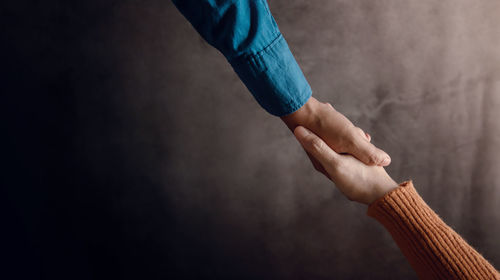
369, 154
315, 146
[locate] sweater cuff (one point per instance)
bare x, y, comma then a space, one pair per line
407, 218
274, 78
433, 249
405, 187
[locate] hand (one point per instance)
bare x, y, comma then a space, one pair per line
356, 180
337, 131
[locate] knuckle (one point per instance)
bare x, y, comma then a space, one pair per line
340, 168
317, 144
374, 158
371, 160
348, 146
356, 132
352, 138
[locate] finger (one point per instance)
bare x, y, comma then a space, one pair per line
369, 154
316, 147
317, 165
363, 134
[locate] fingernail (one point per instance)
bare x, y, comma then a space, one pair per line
301, 132
386, 161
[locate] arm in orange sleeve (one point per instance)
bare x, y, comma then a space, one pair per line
432, 248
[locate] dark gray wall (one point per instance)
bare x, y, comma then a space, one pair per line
133, 151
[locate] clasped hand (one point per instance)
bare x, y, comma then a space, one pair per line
341, 151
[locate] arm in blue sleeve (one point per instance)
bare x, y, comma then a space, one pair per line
245, 32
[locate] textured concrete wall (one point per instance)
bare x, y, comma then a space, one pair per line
149, 158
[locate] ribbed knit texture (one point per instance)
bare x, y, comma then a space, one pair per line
433, 249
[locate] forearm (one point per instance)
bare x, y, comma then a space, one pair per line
433, 249
245, 32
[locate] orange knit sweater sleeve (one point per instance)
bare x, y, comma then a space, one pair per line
433, 249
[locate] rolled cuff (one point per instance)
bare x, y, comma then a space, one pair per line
274, 78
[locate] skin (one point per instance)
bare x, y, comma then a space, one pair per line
338, 133
356, 180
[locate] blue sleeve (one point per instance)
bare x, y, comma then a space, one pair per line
245, 32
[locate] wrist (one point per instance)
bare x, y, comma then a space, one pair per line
304, 116
382, 190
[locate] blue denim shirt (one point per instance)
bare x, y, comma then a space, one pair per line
245, 32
